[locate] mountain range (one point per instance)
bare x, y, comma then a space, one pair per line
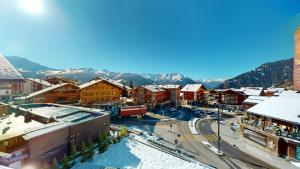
35, 70
277, 74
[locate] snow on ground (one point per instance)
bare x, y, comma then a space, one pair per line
297, 164
130, 154
192, 125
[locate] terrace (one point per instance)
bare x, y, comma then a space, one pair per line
272, 127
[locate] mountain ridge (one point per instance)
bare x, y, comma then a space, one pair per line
269, 74
35, 70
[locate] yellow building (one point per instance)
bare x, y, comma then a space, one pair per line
100, 91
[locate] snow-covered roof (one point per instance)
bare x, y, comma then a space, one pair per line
8, 71
284, 107
255, 99
41, 81
192, 87
154, 88
252, 91
170, 86
94, 81
46, 90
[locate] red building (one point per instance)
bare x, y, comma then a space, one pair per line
193, 94
231, 97
153, 96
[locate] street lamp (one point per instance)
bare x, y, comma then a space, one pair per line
218, 119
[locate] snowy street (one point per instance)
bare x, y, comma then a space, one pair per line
132, 154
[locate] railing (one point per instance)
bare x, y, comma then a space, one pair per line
274, 130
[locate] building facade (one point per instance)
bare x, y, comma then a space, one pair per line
64, 125
273, 126
153, 96
297, 61
59, 80
61, 93
33, 85
193, 94
231, 97
100, 91
10, 79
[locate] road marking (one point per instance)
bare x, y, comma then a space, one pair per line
210, 137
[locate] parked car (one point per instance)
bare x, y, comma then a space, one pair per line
234, 126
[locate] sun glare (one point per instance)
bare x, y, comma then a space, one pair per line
32, 6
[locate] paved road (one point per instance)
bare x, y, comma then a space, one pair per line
232, 153
191, 144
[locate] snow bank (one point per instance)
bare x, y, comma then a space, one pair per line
192, 125
130, 154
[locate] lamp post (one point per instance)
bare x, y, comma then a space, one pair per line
218, 119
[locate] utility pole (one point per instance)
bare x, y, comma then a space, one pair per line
219, 137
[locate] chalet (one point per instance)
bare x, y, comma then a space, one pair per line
193, 94
60, 93
272, 91
101, 91
153, 96
32, 85
10, 79
59, 80
274, 124
173, 94
231, 97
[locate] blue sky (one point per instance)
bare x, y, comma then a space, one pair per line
199, 38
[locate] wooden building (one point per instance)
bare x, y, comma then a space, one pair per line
274, 124
153, 96
60, 93
193, 94
231, 97
10, 79
100, 91
173, 94
59, 80
33, 85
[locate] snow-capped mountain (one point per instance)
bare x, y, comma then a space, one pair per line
169, 78
35, 70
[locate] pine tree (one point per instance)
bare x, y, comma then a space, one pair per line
124, 91
131, 84
90, 152
45, 165
103, 143
73, 152
54, 164
65, 162
83, 152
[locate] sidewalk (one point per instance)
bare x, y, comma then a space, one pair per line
250, 147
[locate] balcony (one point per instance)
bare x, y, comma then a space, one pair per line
272, 129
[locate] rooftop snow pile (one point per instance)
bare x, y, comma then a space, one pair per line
284, 107
252, 91
192, 88
130, 154
8, 71
255, 99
